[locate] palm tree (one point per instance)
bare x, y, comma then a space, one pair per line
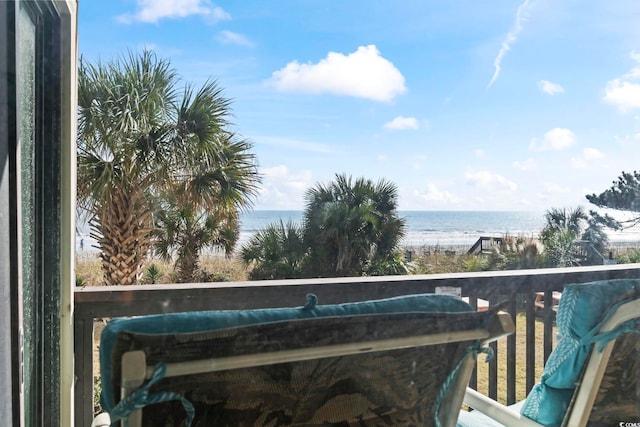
571, 220
277, 252
186, 231
560, 249
350, 225
141, 138
563, 228
203, 211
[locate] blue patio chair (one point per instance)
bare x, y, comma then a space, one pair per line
592, 377
395, 362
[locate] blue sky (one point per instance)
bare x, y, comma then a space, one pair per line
465, 105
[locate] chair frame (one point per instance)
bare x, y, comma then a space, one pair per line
135, 370
585, 393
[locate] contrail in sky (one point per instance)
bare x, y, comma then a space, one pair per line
509, 40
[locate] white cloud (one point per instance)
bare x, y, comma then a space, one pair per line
624, 94
363, 73
479, 152
592, 154
402, 123
550, 88
527, 165
521, 16
229, 37
490, 181
627, 140
624, 91
588, 154
554, 140
433, 194
553, 193
282, 189
154, 10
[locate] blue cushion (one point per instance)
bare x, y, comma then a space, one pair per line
581, 311
174, 323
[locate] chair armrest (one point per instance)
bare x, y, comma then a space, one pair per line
497, 411
501, 325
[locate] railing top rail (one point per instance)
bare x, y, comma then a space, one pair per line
110, 301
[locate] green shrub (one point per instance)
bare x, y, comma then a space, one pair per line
630, 256
153, 274
475, 263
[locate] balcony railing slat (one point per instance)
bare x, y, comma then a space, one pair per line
493, 363
493, 372
473, 381
104, 302
511, 356
530, 327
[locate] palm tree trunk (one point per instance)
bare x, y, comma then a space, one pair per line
122, 229
187, 264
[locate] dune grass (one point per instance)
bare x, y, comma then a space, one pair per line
216, 268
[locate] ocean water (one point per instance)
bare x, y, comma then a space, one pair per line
428, 228
465, 227
423, 228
